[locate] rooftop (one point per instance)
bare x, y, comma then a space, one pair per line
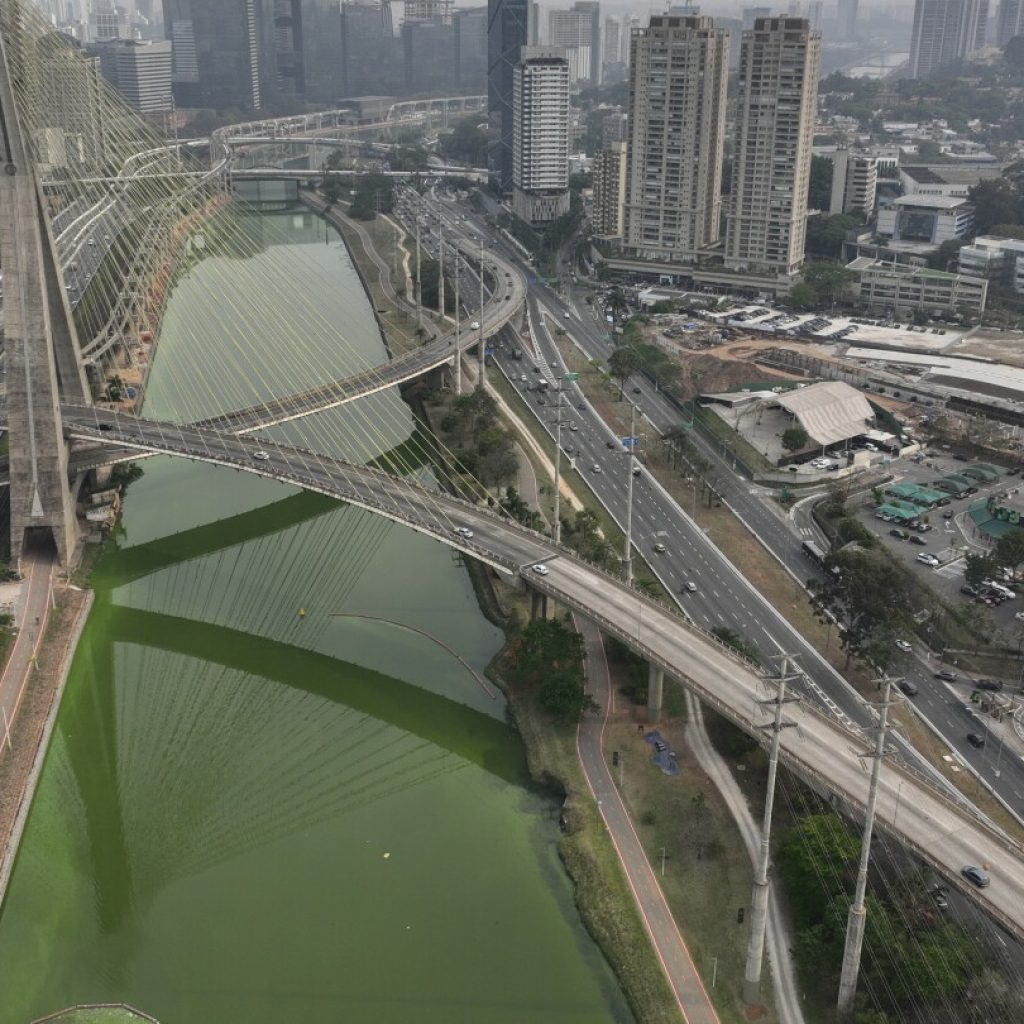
931, 202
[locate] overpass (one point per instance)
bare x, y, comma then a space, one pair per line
290, 174
944, 833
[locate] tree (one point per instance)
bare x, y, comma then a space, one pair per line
818, 847
466, 142
794, 438
739, 643
1009, 550
868, 595
803, 296
561, 693
622, 364
830, 280
825, 234
547, 645
1013, 53
996, 201
978, 568
819, 185
945, 256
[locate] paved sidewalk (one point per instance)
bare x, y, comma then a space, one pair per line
33, 613
675, 959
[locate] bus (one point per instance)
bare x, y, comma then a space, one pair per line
813, 552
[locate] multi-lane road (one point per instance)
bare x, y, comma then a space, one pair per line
723, 596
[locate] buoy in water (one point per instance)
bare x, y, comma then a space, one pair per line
302, 613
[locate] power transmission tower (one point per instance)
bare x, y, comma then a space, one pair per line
759, 900
858, 914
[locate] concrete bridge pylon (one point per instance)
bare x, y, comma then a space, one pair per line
41, 347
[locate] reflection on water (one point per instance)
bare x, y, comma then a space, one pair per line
252, 814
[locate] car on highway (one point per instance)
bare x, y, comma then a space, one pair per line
260, 456
464, 531
522, 378
977, 741
595, 468
540, 569
660, 548
574, 426
582, 407
907, 687
946, 675
975, 876
689, 587
475, 325
905, 647
939, 896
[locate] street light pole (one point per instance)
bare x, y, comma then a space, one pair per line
627, 558
458, 331
419, 278
557, 533
483, 354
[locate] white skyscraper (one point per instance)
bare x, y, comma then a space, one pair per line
677, 89
578, 31
540, 135
780, 60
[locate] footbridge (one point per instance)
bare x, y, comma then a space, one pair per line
943, 832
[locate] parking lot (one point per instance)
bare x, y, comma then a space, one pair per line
948, 539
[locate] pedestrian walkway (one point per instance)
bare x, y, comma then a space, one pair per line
675, 958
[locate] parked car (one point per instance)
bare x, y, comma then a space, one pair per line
992, 685
902, 534
904, 646
920, 541
926, 558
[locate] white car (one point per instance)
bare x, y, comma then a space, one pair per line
522, 378
464, 531
595, 468
260, 456
871, 448
926, 559
904, 646
475, 325
541, 569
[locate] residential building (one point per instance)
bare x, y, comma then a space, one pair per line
139, 71
846, 20
614, 128
751, 14
1009, 21
507, 32
215, 55
854, 183
540, 163
677, 94
901, 288
767, 223
1000, 260
107, 22
578, 31
470, 29
945, 31
612, 41
371, 56
924, 222
609, 191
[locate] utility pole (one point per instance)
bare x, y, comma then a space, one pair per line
483, 353
759, 900
627, 558
557, 534
419, 278
440, 272
458, 335
856, 919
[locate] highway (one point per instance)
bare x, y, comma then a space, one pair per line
724, 597
944, 834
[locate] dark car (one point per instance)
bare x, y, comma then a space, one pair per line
637, 391
949, 677
992, 685
948, 514
975, 740
915, 539
907, 687
976, 876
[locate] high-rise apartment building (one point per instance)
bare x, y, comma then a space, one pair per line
139, 71
609, 191
780, 59
1009, 21
107, 21
751, 14
371, 56
846, 20
612, 36
508, 23
854, 183
578, 31
677, 91
540, 163
944, 32
429, 10
215, 52
300, 50
428, 56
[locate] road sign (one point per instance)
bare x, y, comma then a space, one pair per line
570, 377
630, 442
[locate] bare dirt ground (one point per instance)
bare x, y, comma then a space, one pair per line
1003, 346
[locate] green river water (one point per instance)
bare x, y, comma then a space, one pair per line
250, 815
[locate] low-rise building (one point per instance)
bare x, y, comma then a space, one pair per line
996, 259
923, 222
901, 287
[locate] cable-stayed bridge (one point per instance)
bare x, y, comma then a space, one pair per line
55, 116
